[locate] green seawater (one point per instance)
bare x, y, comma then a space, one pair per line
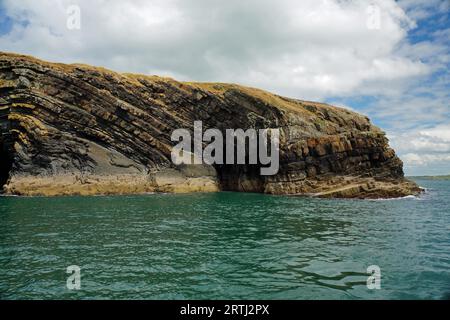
226, 246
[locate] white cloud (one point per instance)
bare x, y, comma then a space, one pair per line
416, 159
308, 49
432, 140
441, 132
424, 148
420, 9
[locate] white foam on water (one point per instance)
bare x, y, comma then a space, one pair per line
398, 198
422, 196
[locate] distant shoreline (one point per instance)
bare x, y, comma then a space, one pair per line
443, 177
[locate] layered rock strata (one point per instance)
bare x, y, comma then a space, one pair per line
77, 129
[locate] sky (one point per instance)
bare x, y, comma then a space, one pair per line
386, 59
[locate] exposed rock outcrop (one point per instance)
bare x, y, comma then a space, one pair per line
76, 129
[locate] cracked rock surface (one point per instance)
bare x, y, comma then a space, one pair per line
77, 129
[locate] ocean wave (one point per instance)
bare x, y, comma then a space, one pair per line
399, 198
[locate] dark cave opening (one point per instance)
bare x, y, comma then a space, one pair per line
5, 166
243, 178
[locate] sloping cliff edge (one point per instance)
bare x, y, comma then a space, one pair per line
81, 130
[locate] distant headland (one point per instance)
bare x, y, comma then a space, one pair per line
438, 177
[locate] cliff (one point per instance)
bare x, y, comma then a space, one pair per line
76, 129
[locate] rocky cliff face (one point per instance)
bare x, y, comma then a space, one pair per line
76, 129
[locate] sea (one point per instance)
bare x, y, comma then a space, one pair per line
226, 245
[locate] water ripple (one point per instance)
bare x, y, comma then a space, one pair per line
225, 246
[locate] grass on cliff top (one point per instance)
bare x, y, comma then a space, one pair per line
304, 107
266, 97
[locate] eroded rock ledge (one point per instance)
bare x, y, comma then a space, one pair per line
76, 129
